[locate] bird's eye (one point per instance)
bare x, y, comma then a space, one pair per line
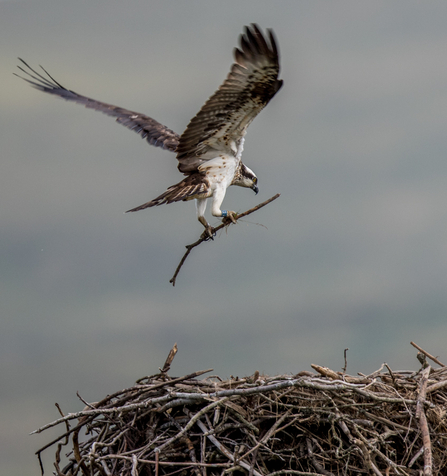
255, 180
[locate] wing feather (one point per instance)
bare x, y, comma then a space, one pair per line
224, 118
193, 186
155, 133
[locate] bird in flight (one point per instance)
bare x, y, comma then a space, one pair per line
209, 150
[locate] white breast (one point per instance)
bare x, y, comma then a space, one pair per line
220, 170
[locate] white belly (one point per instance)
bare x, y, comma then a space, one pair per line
220, 170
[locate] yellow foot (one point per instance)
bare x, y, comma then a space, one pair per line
230, 218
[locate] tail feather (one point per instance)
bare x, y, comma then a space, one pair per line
193, 186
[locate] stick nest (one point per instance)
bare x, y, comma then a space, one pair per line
323, 423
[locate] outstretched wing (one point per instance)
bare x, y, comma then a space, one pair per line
223, 120
151, 130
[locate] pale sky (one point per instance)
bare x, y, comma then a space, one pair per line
352, 255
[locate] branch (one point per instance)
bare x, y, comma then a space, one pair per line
203, 237
169, 359
223, 449
431, 357
420, 415
191, 423
200, 397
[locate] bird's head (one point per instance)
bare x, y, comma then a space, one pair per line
247, 178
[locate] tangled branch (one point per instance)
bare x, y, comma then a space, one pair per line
324, 423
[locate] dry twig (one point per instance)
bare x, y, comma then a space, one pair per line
420, 415
225, 223
431, 357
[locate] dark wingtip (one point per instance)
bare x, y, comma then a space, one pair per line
254, 32
273, 42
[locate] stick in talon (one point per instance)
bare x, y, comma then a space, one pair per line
208, 234
229, 217
204, 237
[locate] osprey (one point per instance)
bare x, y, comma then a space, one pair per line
209, 151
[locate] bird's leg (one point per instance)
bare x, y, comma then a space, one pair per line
229, 217
208, 234
209, 230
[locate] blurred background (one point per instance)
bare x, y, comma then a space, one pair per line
352, 255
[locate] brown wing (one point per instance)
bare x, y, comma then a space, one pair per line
223, 120
193, 186
151, 130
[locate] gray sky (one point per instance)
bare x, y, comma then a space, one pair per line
352, 255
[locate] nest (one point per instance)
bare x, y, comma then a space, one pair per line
324, 423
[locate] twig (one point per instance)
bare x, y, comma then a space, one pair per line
176, 380
99, 411
191, 423
169, 359
416, 457
134, 466
387, 422
316, 464
269, 434
336, 385
367, 457
225, 451
253, 462
371, 448
436, 386
76, 452
297, 473
166, 463
420, 415
346, 360
203, 238
431, 357
326, 372
391, 373
59, 446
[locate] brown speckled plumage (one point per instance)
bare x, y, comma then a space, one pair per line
209, 150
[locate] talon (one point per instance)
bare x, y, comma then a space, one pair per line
230, 217
209, 233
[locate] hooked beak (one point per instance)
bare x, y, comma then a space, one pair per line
255, 189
